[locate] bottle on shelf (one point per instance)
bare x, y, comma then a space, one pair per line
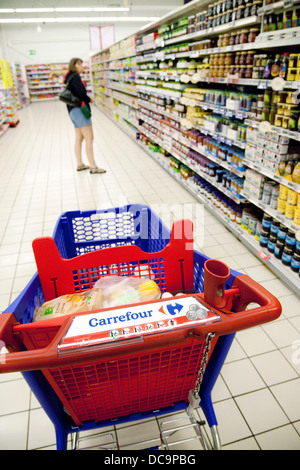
276, 67
284, 66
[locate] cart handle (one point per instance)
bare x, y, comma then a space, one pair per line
244, 291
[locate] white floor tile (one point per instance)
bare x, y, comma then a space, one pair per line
283, 438
14, 431
241, 377
231, 423
264, 363
261, 411
288, 394
255, 341
41, 430
14, 397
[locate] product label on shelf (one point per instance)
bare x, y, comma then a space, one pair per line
263, 255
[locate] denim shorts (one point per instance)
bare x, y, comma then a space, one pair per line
78, 118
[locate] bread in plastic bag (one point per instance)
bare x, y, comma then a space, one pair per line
68, 304
109, 291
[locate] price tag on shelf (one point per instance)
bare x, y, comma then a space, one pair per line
262, 85
263, 255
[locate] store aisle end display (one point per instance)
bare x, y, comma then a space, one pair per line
45, 81
212, 93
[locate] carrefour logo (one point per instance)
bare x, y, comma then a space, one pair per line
127, 317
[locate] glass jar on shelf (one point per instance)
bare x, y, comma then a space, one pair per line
250, 58
255, 72
249, 71
220, 40
221, 60
242, 71
228, 16
247, 11
237, 58
256, 5
228, 59
244, 36
242, 60
240, 12
226, 38
234, 14
232, 39
254, 32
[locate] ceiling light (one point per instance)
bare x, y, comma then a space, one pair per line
111, 9
74, 19
38, 20
34, 10
7, 10
11, 20
74, 9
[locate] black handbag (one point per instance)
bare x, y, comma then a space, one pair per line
67, 97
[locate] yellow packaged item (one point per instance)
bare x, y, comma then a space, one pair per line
281, 206
297, 216
68, 304
292, 197
289, 211
296, 173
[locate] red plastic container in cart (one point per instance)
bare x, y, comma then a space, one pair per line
128, 362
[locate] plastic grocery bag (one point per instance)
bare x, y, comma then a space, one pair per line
109, 291
123, 290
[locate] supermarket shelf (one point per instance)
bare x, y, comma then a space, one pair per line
290, 278
273, 176
279, 130
272, 212
159, 91
196, 168
244, 22
146, 105
277, 6
220, 137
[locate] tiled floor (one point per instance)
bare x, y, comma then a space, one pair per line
257, 395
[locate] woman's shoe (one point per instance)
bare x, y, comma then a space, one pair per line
82, 167
97, 170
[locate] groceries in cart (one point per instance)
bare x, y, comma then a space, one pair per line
107, 292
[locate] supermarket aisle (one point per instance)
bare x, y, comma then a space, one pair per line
257, 395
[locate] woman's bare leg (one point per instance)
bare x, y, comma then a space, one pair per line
87, 133
78, 143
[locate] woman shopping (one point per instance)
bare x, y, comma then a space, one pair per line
82, 124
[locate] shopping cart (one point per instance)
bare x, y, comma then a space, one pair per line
86, 375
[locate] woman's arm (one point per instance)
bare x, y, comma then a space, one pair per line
78, 89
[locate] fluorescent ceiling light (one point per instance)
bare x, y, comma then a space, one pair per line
72, 19
34, 10
7, 10
74, 9
11, 20
91, 19
38, 20
111, 9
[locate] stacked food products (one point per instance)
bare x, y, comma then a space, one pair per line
273, 152
273, 236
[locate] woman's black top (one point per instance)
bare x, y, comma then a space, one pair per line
77, 88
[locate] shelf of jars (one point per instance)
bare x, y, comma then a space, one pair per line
174, 60
234, 219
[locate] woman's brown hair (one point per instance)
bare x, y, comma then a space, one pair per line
72, 64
